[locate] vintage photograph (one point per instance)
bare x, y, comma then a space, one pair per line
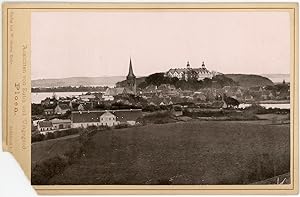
160, 97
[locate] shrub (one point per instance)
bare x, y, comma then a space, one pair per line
49, 136
121, 126
160, 121
55, 134
45, 170
91, 128
255, 108
258, 109
151, 108
37, 137
160, 117
205, 113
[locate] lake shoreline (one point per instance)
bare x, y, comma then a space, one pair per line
269, 102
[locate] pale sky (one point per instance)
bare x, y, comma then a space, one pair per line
94, 44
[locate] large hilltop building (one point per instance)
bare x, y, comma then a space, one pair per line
188, 73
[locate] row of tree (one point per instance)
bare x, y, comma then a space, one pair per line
217, 81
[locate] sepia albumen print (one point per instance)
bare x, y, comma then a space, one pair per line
160, 97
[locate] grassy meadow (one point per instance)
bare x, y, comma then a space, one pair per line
195, 152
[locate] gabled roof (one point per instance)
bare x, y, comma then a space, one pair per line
45, 124
178, 70
128, 91
107, 114
150, 88
57, 121
128, 115
94, 116
64, 106
115, 91
202, 70
86, 116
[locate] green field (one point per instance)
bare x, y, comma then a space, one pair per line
43, 150
196, 152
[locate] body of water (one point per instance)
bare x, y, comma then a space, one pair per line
37, 97
269, 105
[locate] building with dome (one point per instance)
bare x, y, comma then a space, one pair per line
189, 73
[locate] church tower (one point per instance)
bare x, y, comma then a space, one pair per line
131, 79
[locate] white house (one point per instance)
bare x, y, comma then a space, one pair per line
45, 126
83, 119
108, 119
61, 123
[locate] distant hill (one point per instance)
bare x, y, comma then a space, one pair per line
158, 79
278, 78
242, 79
247, 81
77, 81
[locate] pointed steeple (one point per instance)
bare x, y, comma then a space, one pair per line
130, 73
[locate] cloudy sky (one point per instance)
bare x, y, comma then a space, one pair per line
68, 44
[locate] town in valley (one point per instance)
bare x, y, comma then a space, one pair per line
189, 102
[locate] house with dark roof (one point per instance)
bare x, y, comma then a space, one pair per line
48, 112
45, 126
150, 89
61, 123
114, 91
104, 117
61, 109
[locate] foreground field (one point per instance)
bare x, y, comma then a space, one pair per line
44, 150
198, 152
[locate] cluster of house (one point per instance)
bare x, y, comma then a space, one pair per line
166, 94
84, 110
84, 119
45, 126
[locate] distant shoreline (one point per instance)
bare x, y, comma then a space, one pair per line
270, 102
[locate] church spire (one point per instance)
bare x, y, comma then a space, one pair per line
130, 73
